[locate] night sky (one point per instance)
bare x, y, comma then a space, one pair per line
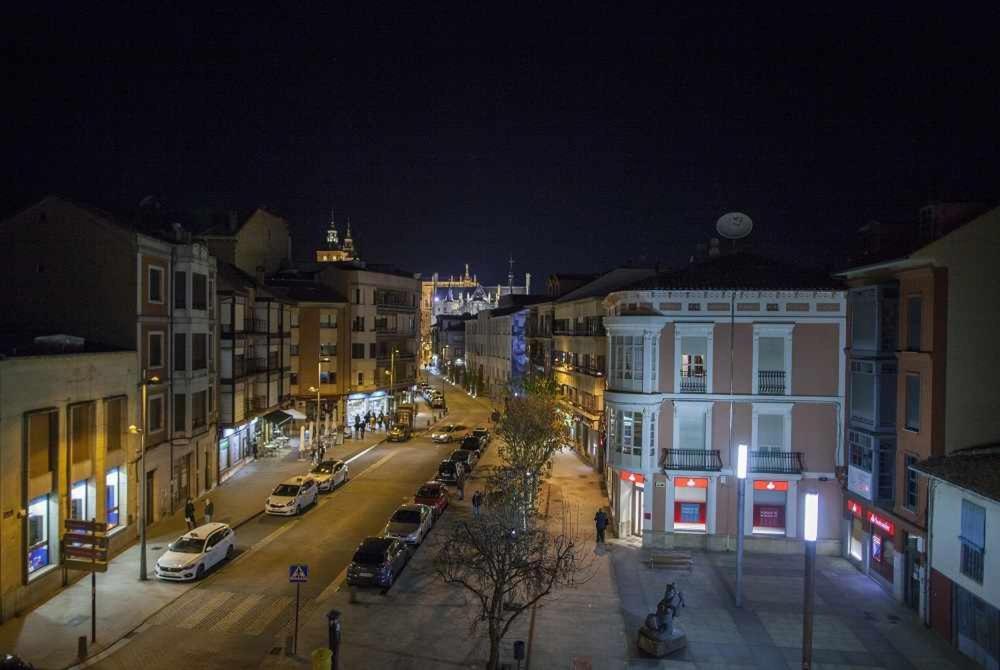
573, 140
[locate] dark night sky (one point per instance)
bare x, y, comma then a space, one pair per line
573, 140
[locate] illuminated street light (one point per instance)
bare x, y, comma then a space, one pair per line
741, 503
141, 432
810, 525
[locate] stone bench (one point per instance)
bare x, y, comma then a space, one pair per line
672, 560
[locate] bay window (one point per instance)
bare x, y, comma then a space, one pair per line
626, 362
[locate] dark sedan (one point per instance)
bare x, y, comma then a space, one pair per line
377, 561
473, 443
450, 472
466, 457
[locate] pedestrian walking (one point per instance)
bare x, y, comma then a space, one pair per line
209, 510
362, 431
189, 514
461, 487
378, 422
600, 522
382, 421
477, 502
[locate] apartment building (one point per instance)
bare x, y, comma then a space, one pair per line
65, 453
496, 347
448, 345
540, 339
579, 363
735, 349
136, 281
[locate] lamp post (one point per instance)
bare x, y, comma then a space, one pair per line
809, 534
141, 432
741, 502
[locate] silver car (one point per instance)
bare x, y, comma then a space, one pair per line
410, 523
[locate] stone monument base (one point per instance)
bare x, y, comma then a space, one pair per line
660, 645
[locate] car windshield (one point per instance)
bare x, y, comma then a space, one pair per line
470, 443
447, 468
287, 490
460, 456
322, 469
427, 492
369, 557
187, 545
406, 516
479, 432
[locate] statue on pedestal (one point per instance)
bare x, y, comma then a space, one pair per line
660, 636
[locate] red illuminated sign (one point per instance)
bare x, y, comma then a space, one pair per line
882, 524
854, 508
762, 485
691, 482
633, 477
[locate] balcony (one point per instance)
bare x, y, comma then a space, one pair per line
691, 459
255, 326
692, 382
776, 462
259, 403
971, 560
771, 382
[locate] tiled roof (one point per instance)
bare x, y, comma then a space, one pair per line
611, 281
740, 271
976, 470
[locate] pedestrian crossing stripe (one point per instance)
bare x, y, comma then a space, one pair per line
298, 573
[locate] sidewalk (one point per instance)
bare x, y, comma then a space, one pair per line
47, 635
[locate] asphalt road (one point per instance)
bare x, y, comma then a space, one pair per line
239, 612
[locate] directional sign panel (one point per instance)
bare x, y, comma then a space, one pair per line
298, 572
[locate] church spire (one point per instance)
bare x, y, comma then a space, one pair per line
348, 241
466, 271
331, 234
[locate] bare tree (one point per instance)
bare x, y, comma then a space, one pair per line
530, 433
495, 557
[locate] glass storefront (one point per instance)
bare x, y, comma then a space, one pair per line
81, 500
690, 503
770, 499
38, 533
115, 507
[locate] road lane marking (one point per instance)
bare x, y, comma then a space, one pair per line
213, 602
361, 453
235, 614
267, 614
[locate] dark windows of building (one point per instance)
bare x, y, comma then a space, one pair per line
357, 296
293, 350
914, 307
199, 409
199, 351
358, 325
180, 412
82, 431
327, 377
154, 352
910, 500
115, 413
294, 380
361, 379
358, 351
180, 351
180, 290
371, 351
43, 442
199, 291
860, 450
154, 419
913, 402
885, 485
155, 281
973, 540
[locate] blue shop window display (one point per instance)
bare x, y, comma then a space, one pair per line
38, 534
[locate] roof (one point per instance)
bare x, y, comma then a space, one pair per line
606, 283
976, 470
306, 291
741, 271
49, 344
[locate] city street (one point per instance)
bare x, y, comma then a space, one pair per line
231, 618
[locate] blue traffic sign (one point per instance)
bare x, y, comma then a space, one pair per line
298, 572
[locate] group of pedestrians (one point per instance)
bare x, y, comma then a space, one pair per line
370, 421
190, 514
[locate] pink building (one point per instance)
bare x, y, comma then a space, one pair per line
736, 349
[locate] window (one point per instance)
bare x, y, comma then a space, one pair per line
199, 409
863, 320
973, 540
910, 501
358, 326
860, 450
691, 433
211, 399
913, 402
629, 430
371, 351
82, 433
154, 350
327, 377
38, 533
293, 350
80, 501
294, 380
210, 350
115, 411
199, 351
180, 351
180, 290
155, 281
770, 432
914, 306
43, 442
626, 362
199, 291
357, 296
357, 351
361, 379
772, 363
114, 496
885, 485
180, 412
155, 416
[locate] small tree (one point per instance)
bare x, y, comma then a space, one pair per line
494, 557
530, 432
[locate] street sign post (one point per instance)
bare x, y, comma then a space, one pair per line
298, 573
85, 547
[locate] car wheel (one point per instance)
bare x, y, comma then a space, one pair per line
200, 572
298, 510
229, 552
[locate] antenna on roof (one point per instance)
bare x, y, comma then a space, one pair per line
734, 226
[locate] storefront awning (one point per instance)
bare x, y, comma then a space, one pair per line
277, 417
295, 414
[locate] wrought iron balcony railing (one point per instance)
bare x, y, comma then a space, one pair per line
693, 382
691, 459
776, 462
771, 382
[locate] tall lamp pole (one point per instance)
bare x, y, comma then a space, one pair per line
741, 502
809, 534
141, 432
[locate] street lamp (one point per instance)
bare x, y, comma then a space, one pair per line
319, 384
741, 503
809, 535
141, 432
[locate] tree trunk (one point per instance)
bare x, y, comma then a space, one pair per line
494, 662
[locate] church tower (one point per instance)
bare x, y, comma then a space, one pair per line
336, 251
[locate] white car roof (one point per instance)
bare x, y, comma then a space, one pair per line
202, 532
297, 480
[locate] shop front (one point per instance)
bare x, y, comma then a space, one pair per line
770, 506
886, 553
237, 445
359, 405
631, 503
690, 511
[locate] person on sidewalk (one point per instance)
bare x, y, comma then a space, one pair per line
209, 510
189, 514
600, 522
477, 502
460, 483
362, 431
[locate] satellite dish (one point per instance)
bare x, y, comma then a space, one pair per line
734, 225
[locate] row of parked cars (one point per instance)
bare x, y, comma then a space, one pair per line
433, 396
457, 467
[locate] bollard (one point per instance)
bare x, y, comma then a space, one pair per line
81, 647
519, 652
322, 659
333, 631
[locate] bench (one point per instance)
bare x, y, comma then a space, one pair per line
671, 560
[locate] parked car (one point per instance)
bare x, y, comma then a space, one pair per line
483, 434
291, 496
328, 475
450, 472
466, 457
377, 561
434, 495
410, 523
400, 432
473, 443
196, 552
448, 433
437, 402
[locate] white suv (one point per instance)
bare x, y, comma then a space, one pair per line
191, 555
291, 496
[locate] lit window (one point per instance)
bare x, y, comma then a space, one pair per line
114, 497
38, 533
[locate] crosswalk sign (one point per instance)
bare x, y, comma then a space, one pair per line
298, 572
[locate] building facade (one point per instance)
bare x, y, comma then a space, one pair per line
448, 345
737, 349
65, 453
